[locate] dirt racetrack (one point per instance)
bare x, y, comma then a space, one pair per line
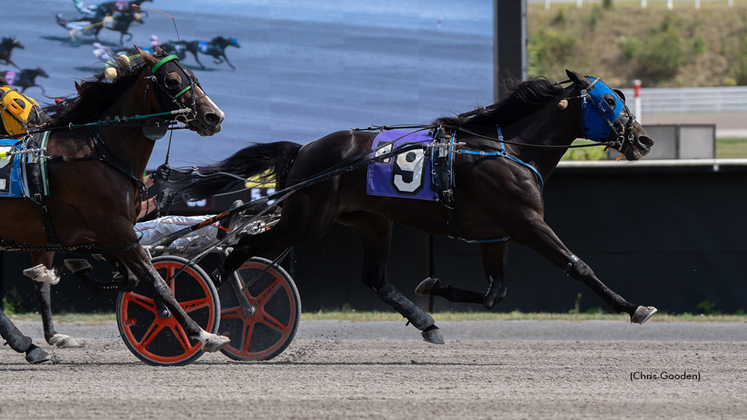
338, 370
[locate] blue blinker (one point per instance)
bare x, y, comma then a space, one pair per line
599, 117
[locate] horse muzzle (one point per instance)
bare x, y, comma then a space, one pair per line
208, 124
638, 147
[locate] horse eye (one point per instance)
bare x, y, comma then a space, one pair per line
173, 81
611, 101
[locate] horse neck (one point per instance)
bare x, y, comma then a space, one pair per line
546, 127
130, 145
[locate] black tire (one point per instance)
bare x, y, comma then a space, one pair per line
277, 304
161, 341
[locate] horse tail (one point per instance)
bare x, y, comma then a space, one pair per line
265, 160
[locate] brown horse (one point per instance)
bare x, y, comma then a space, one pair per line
500, 157
95, 157
6, 47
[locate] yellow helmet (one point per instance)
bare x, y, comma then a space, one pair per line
15, 110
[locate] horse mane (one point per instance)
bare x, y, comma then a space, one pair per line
523, 98
95, 95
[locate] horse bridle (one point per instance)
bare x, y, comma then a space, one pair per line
621, 124
168, 98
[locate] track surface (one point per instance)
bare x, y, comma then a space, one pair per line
381, 370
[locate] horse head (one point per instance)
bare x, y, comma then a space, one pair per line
16, 43
606, 118
39, 72
178, 88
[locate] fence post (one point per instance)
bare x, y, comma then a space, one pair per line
638, 110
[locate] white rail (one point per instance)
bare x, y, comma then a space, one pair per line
690, 100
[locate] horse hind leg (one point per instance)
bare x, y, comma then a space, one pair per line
432, 286
415, 316
494, 256
375, 233
21, 343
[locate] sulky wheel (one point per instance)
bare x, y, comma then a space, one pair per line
162, 341
268, 320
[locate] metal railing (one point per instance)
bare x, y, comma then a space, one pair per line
690, 100
644, 3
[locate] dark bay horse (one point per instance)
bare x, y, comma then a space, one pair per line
25, 78
95, 175
42, 261
91, 26
501, 156
6, 47
215, 48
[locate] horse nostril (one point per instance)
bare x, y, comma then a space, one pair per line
213, 119
646, 141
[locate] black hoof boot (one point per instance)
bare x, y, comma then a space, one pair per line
433, 335
36, 355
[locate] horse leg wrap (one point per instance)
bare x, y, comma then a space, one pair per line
41, 274
570, 266
401, 304
14, 337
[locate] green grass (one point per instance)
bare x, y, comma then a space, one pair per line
352, 315
731, 148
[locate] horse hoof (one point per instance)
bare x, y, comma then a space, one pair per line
642, 314
433, 336
494, 297
41, 274
36, 355
75, 265
63, 341
425, 286
215, 342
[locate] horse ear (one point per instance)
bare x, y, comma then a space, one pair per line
158, 50
149, 59
577, 79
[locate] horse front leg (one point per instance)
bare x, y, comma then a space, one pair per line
228, 62
198, 60
493, 262
537, 235
136, 260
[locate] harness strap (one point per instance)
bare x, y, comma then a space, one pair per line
36, 188
443, 179
505, 154
444, 183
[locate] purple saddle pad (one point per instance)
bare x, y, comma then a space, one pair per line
407, 175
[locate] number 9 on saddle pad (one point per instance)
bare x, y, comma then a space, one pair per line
16, 110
